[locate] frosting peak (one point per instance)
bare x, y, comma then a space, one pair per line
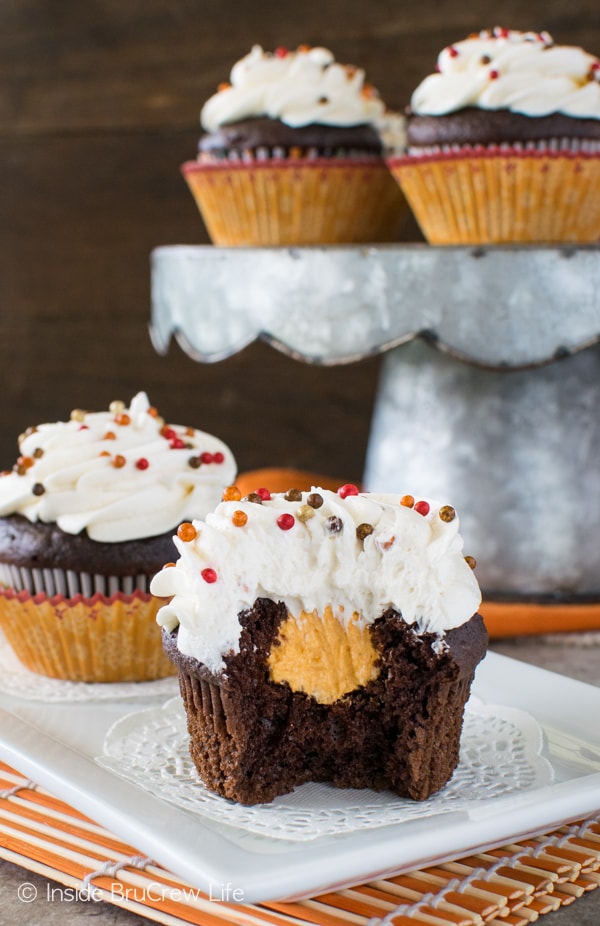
121, 475
318, 550
524, 72
298, 87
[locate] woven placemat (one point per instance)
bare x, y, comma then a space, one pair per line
512, 885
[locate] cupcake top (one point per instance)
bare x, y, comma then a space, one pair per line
298, 87
503, 69
355, 553
303, 97
119, 475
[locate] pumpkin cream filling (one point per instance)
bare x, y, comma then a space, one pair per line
321, 657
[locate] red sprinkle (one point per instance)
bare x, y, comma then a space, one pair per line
281, 52
286, 521
176, 443
142, 463
453, 52
494, 75
209, 575
84, 427
218, 457
348, 489
168, 433
207, 457
422, 507
264, 494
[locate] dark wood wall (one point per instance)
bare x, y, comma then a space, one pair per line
99, 104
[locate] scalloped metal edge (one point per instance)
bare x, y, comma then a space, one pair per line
503, 307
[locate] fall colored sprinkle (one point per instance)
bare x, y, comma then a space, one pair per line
264, 494
177, 443
333, 524
38, 488
447, 513
38, 453
207, 457
116, 407
453, 52
195, 462
494, 74
471, 561
122, 419
286, 521
314, 500
422, 507
281, 52
209, 575
305, 513
25, 462
218, 457
231, 494
77, 414
110, 435
187, 532
255, 498
142, 463
153, 412
293, 495
167, 432
348, 489
118, 461
104, 453
407, 501
84, 427
364, 530
239, 518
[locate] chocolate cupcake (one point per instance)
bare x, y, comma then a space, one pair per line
504, 143
292, 153
323, 636
87, 517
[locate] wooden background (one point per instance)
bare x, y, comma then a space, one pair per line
99, 104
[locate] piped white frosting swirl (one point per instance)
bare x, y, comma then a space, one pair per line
411, 561
524, 72
142, 481
298, 87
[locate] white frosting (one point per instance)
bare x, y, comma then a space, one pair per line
298, 87
520, 71
71, 464
411, 562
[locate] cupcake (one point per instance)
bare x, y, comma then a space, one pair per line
87, 517
322, 636
292, 153
504, 143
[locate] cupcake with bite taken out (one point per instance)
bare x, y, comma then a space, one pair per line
504, 143
87, 517
292, 153
322, 636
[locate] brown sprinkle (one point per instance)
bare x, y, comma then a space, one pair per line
195, 462
293, 495
37, 453
364, 530
38, 488
254, 497
334, 524
314, 500
447, 513
471, 561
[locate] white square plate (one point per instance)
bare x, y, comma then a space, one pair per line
56, 745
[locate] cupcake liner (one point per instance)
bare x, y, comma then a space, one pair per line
296, 201
85, 639
504, 194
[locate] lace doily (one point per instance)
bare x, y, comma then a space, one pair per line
500, 756
15, 679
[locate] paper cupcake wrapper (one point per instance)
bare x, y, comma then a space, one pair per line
503, 194
296, 201
98, 638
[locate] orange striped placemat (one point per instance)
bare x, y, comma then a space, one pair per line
509, 886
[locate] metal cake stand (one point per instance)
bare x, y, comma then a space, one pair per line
490, 387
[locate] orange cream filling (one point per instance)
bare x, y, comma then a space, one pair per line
318, 655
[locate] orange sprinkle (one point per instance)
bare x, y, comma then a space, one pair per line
407, 501
153, 412
187, 532
110, 435
118, 461
239, 518
123, 419
231, 494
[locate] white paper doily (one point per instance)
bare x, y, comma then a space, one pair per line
15, 679
500, 757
